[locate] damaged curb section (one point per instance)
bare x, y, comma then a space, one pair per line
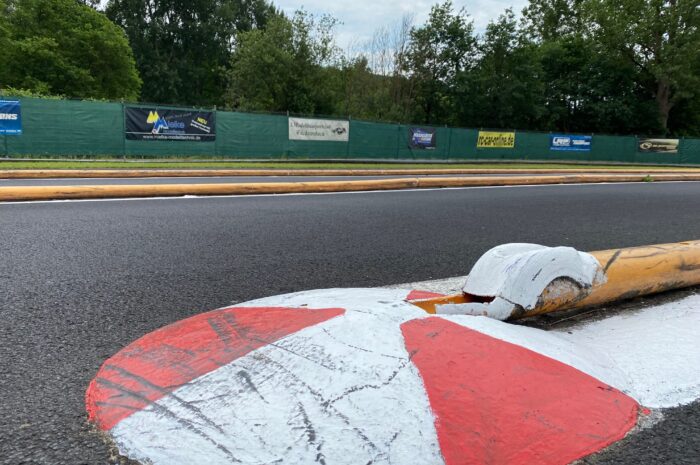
175, 190
522, 280
192, 173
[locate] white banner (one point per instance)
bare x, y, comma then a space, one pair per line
318, 129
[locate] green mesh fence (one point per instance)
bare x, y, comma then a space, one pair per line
689, 152
65, 128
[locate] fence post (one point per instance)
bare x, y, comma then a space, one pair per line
123, 131
398, 140
449, 142
347, 146
216, 139
287, 143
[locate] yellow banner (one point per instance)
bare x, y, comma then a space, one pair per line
489, 139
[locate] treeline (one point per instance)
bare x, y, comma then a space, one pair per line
605, 66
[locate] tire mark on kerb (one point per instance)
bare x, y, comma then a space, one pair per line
116, 405
281, 347
168, 413
224, 335
231, 323
322, 401
311, 435
169, 391
249, 382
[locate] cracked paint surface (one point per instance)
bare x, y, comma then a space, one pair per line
348, 376
329, 393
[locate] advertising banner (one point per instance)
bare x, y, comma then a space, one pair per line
10, 118
319, 129
144, 123
657, 145
570, 143
422, 138
496, 140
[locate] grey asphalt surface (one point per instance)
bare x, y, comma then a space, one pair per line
80, 280
210, 180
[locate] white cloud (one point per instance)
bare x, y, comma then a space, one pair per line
361, 18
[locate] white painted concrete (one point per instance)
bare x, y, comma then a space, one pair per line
345, 391
515, 275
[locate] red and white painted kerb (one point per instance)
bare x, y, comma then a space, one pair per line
358, 376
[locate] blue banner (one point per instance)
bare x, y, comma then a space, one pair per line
10, 118
570, 143
422, 138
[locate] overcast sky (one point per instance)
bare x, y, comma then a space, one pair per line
362, 17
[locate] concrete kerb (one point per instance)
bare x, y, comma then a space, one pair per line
366, 366
29, 193
189, 173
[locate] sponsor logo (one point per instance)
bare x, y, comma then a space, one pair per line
573, 143
658, 145
318, 129
9, 116
562, 141
422, 138
157, 121
490, 139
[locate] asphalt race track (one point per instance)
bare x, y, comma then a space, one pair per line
80, 280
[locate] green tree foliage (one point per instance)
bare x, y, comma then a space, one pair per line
505, 88
438, 52
281, 67
552, 19
589, 90
64, 47
661, 38
374, 84
183, 48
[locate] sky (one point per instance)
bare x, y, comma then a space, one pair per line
361, 18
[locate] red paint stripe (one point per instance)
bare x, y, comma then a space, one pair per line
420, 295
161, 361
499, 403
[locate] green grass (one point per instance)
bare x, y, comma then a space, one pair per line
213, 164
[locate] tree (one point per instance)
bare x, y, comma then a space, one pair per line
661, 38
64, 47
281, 67
371, 84
437, 53
547, 20
183, 48
505, 89
590, 89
